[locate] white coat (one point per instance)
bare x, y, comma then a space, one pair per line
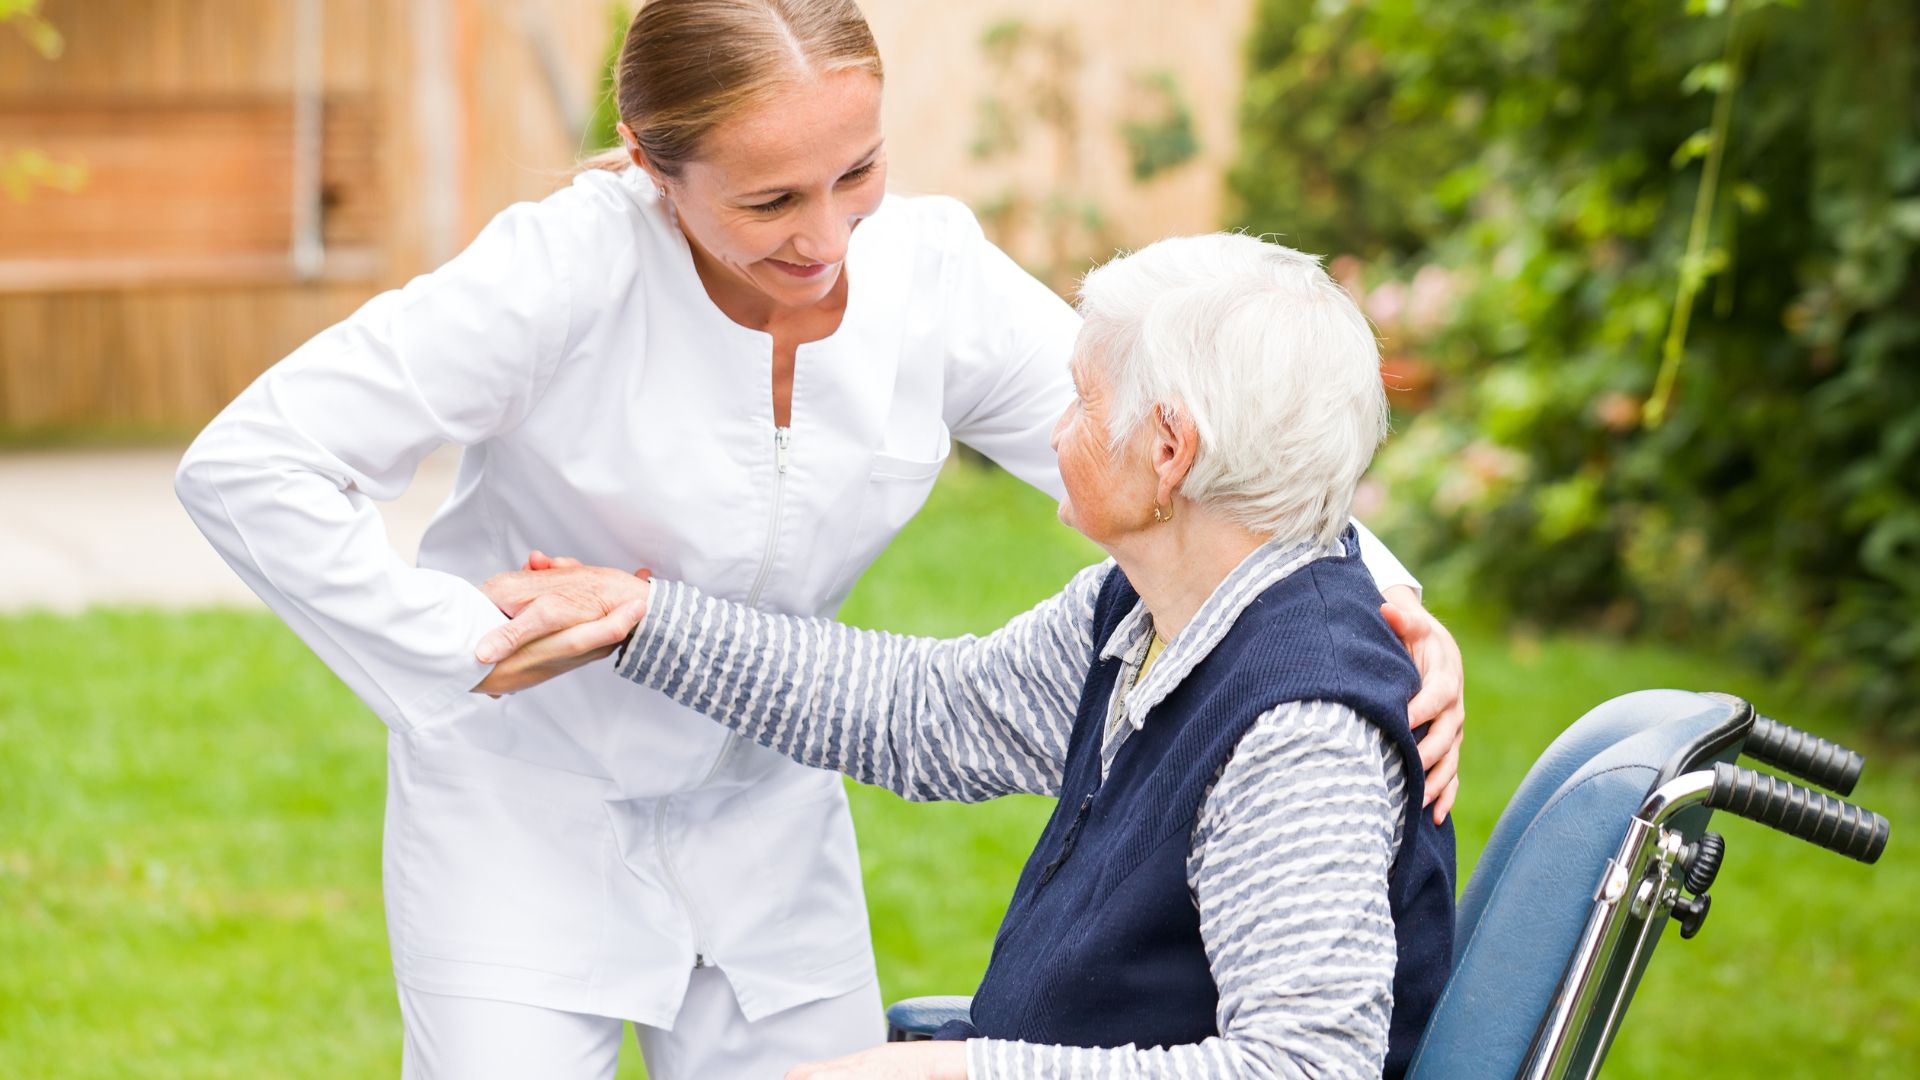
583, 845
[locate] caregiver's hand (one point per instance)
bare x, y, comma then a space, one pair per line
893, 1061
561, 617
1441, 702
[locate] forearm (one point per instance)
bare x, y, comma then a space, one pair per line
958, 719
282, 481
401, 638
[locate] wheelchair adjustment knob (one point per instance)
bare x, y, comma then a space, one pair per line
1690, 912
1701, 861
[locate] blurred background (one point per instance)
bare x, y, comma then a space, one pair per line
1645, 273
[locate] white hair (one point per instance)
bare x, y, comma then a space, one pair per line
1269, 357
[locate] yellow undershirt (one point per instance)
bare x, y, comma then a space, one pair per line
1154, 648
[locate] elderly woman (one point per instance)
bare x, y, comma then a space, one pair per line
1238, 879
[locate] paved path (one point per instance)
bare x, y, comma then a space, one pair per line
86, 527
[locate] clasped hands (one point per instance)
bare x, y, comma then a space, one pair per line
562, 614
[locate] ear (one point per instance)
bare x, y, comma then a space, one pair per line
637, 155
1176, 442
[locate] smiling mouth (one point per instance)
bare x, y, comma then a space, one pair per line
800, 270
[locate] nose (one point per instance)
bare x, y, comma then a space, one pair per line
824, 232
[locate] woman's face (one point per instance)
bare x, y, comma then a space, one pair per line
1110, 493
776, 193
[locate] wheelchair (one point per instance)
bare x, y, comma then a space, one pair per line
1604, 844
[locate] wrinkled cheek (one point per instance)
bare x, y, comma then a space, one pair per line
1080, 507
747, 246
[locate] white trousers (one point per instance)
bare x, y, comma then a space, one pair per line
458, 1038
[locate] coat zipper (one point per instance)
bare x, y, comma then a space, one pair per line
673, 877
1014, 919
782, 441
1066, 844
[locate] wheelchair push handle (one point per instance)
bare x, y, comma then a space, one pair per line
1834, 824
1805, 755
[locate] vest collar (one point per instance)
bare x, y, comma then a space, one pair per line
1267, 564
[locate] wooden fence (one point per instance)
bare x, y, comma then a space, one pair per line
206, 243
149, 296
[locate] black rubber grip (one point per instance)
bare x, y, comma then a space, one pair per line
1807, 756
1817, 818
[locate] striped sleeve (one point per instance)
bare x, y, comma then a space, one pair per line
959, 719
1289, 870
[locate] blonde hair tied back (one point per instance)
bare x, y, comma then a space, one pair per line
688, 66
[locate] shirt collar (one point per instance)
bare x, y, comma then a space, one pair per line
1255, 575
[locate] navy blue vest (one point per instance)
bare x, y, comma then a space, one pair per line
1101, 942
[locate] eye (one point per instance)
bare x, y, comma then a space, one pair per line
773, 205
860, 173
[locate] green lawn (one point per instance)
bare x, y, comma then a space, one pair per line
190, 827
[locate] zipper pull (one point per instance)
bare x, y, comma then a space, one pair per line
782, 437
1066, 843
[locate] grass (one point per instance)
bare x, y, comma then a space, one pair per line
190, 826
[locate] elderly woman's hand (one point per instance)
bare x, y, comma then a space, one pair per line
562, 615
893, 1061
1441, 703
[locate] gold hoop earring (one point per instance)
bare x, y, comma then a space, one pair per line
1160, 517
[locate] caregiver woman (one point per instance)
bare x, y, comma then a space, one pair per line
699, 363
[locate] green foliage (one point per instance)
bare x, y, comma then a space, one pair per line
1032, 108
1034, 114
23, 170
1550, 157
24, 16
603, 124
1162, 137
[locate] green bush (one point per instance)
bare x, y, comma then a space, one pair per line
1544, 162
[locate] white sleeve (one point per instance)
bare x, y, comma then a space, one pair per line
1009, 346
1386, 569
282, 481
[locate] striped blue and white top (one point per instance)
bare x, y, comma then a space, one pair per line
1290, 855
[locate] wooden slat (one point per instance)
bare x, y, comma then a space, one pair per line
154, 357
187, 180
352, 187
110, 335
343, 264
205, 187
137, 48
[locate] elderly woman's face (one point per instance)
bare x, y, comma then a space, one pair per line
1109, 493
777, 192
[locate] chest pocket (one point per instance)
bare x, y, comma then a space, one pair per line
896, 489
